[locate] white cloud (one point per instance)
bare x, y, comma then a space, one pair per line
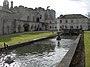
87, 2
69, 7
60, 6
76, 0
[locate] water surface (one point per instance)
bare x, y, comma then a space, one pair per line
45, 53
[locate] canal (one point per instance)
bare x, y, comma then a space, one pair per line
44, 53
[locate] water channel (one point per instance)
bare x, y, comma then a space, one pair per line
44, 53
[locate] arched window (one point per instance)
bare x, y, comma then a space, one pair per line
37, 20
50, 27
60, 26
77, 27
26, 27
60, 21
71, 27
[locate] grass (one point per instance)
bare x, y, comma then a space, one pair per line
87, 48
19, 38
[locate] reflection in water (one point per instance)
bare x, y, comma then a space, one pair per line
58, 43
45, 53
36, 48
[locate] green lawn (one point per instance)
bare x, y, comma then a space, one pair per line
18, 38
87, 47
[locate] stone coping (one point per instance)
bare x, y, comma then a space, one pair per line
65, 62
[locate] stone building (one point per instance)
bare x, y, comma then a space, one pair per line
72, 21
6, 19
88, 20
22, 19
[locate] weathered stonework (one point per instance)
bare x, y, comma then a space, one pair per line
21, 19
78, 59
75, 57
73, 21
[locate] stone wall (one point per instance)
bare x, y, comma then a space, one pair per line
73, 22
76, 55
38, 19
78, 59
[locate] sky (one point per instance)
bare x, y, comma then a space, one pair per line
60, 6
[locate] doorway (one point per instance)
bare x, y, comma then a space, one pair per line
37, 20
26, 27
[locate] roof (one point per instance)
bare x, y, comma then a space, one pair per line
71, 16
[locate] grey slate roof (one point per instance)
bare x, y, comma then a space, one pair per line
71, 16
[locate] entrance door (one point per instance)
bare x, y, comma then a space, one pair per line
26, 27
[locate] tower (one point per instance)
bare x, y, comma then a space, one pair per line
11, 4
6, 4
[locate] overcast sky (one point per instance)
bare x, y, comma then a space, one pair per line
60, 6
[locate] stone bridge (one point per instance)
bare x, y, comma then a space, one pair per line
71, 31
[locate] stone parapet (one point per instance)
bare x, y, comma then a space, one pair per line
76, 55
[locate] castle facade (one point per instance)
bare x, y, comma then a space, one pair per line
23, 19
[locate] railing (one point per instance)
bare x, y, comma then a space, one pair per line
76, 55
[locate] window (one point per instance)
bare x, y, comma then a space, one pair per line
40, 16
60, 21
65, 27
71, 21
66, 21
81, 27
71, 27
27, 18
37, 20
77, 27
55, 27
32, 27
60, 26
33, 18
50, 27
